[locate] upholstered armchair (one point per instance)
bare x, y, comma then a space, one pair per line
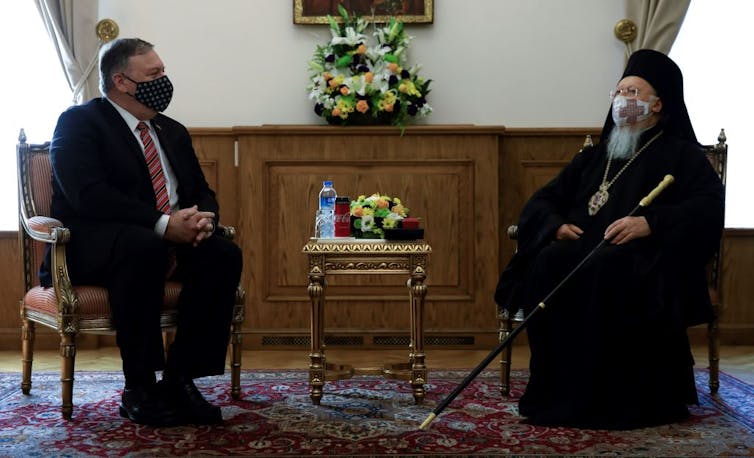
73, 309
718, 156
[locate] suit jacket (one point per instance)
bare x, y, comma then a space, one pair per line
100, 176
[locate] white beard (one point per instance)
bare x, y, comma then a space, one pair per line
622, 142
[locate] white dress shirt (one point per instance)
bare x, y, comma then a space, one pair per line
171, 183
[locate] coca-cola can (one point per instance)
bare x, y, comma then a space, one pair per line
342, 216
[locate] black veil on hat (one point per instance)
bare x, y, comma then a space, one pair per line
666, 79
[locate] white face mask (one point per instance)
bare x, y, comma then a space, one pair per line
627, 112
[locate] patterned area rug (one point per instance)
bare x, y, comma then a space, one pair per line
363, 416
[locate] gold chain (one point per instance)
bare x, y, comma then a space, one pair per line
605, 185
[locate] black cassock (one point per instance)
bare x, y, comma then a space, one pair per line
610, 349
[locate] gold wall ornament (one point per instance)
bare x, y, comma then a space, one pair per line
625, 30
107, 30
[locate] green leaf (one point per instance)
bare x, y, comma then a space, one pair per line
343, 13
344, 61
334, 25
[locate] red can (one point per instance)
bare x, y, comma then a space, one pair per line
342, 216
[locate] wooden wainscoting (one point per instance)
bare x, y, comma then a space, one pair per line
467, 183
531, 158
215, 148
446, 175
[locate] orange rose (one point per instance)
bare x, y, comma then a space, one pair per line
344, 90
368, 77
393, 67
389, 108
358, 212
362, 106
336, 111
361, 49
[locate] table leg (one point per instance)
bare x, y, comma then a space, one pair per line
417, 292
317, 353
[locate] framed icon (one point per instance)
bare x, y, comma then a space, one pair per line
408, 11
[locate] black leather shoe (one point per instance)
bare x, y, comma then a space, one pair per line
145, 405
185, 397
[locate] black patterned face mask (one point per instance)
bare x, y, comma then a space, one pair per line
155, 94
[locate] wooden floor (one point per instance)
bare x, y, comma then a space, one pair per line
734, 360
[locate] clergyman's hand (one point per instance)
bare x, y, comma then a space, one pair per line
626, 229
568, 232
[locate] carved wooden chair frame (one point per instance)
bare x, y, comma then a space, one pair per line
73, 309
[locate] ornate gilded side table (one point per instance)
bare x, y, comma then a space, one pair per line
354, 256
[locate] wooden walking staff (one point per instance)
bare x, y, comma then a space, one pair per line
666, 181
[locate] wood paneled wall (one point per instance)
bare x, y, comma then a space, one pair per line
467, 183
448, 176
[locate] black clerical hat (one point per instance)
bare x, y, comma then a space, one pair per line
665, 77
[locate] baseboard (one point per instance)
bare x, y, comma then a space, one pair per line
730, 334
280, 340
47, 339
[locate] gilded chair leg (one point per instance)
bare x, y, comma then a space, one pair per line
235, 360
27, 354
68, 359
505, 356
168, 336
713, 340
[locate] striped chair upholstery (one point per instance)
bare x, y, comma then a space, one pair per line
72, 309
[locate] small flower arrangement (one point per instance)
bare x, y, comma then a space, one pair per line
370, 216
353, 83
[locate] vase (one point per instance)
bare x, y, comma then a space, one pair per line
362, 119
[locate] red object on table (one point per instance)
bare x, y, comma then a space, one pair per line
342, 216
410, 223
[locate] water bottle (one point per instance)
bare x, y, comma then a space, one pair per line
326, 212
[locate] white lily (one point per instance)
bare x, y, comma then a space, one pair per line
352, 38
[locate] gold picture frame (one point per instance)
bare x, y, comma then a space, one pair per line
408, 11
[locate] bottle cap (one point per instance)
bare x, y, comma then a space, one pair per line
342, 199
327, 183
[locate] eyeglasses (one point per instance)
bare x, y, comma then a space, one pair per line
630, 92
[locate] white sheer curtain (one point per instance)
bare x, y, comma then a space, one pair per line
71, 25
711, 50
657, 22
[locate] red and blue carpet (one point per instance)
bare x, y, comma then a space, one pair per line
363, 416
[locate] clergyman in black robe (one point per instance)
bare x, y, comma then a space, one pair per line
610, 348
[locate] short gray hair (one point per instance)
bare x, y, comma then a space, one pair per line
114, 59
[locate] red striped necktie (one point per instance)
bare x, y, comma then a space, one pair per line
155, 169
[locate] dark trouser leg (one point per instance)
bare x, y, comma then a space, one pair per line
131, 263
137, 287
210, 274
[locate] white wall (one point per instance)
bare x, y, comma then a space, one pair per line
518, 63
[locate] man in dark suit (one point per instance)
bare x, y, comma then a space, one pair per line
127, 182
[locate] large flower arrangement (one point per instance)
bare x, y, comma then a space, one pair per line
353, 83
370, 216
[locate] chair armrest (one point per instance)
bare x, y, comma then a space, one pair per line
513, 232
46, 229
229, 232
